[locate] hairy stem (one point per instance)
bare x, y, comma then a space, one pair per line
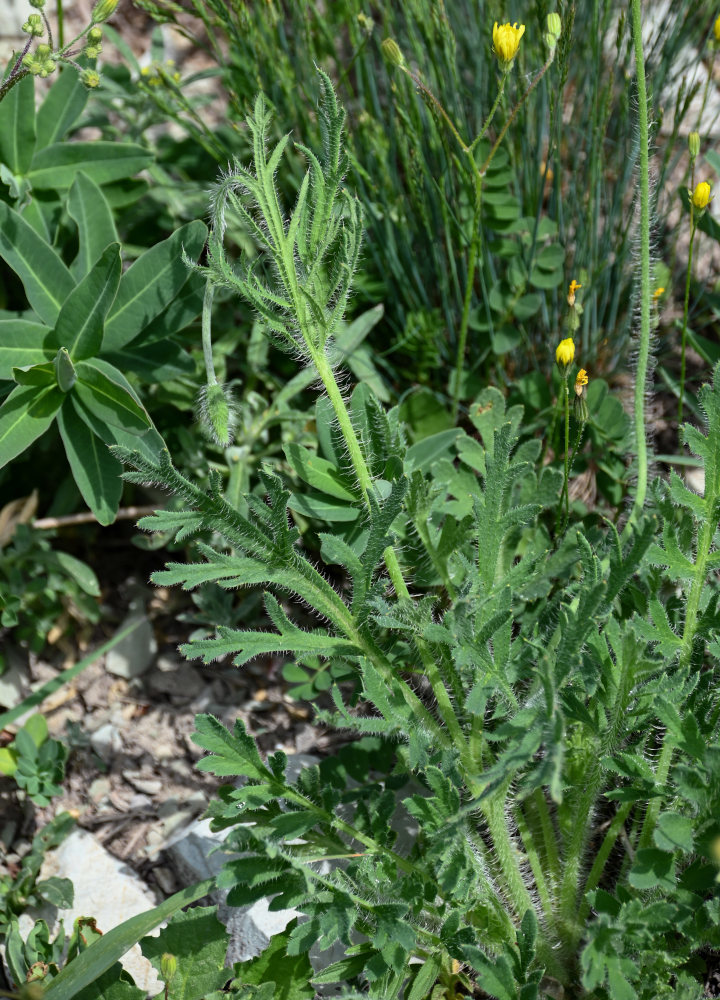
641, 446
686, 302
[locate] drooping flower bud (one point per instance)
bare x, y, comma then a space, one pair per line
216, 412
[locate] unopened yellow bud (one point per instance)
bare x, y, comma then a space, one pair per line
168, 967
565, 353
701, 195
94, 36
34, 26
716, 29
554, 25
90, 78
506, 42
103, 9
391, 51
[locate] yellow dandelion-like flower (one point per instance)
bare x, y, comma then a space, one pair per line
565, 352
506, 42
581, 380
658, 292
701, 195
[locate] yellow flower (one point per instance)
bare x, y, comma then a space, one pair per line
658, 292
581, 380
571, 292
701, 195
716, 29
506, 42
565, 352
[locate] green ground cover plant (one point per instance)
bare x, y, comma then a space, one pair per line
530, 683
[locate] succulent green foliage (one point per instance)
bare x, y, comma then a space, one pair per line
85, 324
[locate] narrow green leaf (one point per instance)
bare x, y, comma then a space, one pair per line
61, 108
94, 469
80, 572
23, 343
79, 326
104, 952
88, 207
17, 126
26, 414
316, 505
108, 400
151, 283
46, 280
55, 167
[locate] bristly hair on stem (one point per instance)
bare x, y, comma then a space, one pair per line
301, 280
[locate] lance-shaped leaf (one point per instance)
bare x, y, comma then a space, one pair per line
55, 167
79, 326
23, 343
60, 110
46, 280
92, 214
107, 399
151, 284
94, 469
149, 444
24, 416
17, 126
38, 375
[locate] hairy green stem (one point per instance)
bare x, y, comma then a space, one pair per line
325, 371
467, 300
564, 505
207, 333
686, 302
641, 445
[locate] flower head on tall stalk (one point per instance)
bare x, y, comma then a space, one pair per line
701, 196
565, 354
506, 42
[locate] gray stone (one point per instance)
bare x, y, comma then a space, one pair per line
106, 889
106, 742
134, 654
